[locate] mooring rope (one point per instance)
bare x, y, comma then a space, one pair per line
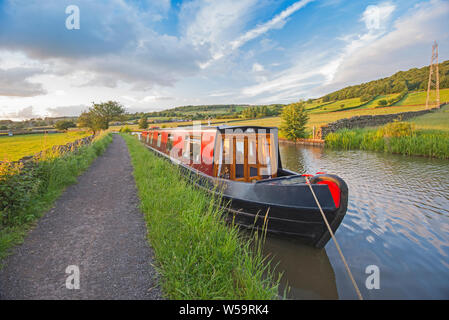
335, 241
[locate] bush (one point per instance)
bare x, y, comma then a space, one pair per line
125, 129
397, 129
64, 125
18, 184
382, 103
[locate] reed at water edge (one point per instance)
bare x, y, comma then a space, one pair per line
397, 137
198, 255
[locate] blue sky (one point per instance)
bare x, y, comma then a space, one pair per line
152, 55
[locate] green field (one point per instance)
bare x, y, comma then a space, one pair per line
338, 105
375, 102
16, 147
419, 97
433, 121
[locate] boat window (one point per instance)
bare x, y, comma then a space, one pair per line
195, 149
159, 139
192, 148
239, 158
252, 151
227, 151
169, 142
186, 148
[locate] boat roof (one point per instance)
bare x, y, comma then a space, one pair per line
220, 127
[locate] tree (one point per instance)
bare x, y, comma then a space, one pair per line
143, 123
294, 120
88, 120
106, 112
382, 102
64, 124
99, 115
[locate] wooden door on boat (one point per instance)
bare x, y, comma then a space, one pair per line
245, 157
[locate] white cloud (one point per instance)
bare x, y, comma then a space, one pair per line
257, 67
69, 111
378, 52
21, 114
407, 45
219, 26
15, 82
275, 23
376, 16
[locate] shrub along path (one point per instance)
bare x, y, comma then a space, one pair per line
95, 225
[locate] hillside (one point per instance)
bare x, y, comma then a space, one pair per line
412, 80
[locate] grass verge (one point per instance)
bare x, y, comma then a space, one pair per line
33, 191
198, 255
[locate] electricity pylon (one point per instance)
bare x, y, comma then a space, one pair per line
434, 64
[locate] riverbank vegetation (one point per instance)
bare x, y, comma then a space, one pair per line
198, 255
397, 137
28, 190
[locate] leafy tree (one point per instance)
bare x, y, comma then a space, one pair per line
100, 114
106, 112
88, 120
294, 120
64, 124
143, 123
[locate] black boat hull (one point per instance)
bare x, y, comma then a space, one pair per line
279, 209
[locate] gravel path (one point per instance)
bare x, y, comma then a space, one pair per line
95, 225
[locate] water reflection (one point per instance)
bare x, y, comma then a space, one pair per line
397, 219
308, 273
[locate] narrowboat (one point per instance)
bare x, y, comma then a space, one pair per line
244, 164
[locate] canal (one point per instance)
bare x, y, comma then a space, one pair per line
397, 220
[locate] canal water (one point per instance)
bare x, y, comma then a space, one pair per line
397, 220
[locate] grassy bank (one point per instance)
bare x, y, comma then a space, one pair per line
197, 254
27, 192
428, 143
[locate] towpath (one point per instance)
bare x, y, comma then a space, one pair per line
96, 228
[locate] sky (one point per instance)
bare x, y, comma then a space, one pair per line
57, 57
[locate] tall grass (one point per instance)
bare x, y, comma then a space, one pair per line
26, 192
198, 255
428, 143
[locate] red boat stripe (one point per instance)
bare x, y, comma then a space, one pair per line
335, 191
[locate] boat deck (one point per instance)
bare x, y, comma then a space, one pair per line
285, 180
